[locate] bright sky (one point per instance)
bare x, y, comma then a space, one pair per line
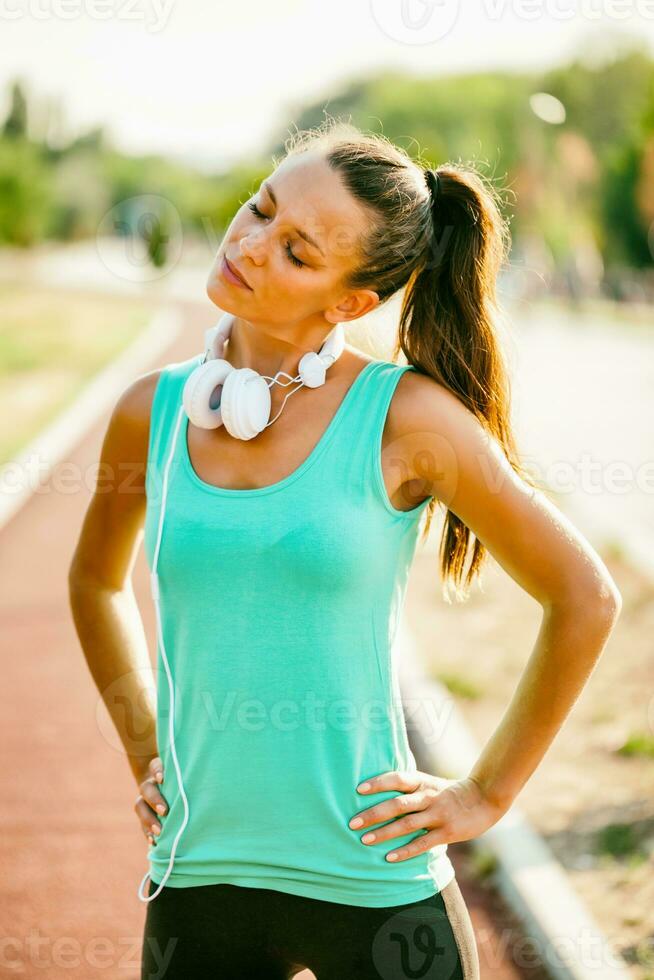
208, 81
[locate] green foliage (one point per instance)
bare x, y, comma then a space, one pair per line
459, 685
484, 863
639, 744
15, 124
584, 180
26, 197
620, 841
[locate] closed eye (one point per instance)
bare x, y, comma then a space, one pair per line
294, 259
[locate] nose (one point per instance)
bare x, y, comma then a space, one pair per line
251, 245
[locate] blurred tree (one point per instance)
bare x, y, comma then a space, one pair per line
581, 184
26, 199
15, 124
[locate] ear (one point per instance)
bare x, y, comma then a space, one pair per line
355, 304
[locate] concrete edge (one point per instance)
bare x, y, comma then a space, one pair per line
22, 476
529, 877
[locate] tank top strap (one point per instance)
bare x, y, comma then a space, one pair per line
374, 391
363, 428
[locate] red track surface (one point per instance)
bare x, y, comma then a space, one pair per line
72, 851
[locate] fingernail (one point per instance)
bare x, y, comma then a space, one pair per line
155, 828
368, 838
356, 822
159, 775
392, 856
160, 808
363, 787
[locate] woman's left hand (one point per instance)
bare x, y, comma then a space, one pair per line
448, 809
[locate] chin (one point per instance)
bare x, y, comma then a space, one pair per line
213, 291
219, 294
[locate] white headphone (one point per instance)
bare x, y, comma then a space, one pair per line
245, 405
217, 393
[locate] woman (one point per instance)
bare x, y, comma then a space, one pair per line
277, 759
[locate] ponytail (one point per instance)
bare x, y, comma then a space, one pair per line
448, 327
441, 235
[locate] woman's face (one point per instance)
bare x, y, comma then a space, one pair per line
294, 282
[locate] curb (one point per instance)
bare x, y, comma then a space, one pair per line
21, 477
533, 882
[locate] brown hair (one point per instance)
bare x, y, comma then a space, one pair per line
448, 256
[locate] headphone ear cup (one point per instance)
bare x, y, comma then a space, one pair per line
202, 401
312, 369
246, 403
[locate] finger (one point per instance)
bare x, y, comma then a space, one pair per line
156, 769
148, 818
400, 779
150, 793
398, 806
410, 824
422, 843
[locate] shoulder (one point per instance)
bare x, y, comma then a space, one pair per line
422, 404
433, 431
127, 434
133, 409
126, 440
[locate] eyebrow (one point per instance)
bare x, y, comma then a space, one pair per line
302, 234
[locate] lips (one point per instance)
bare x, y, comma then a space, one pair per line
235, 272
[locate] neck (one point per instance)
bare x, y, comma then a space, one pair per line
253, 347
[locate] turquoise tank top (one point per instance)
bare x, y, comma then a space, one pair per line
279, 608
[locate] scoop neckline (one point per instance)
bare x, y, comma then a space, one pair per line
280, 484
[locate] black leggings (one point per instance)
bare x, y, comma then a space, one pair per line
230, 932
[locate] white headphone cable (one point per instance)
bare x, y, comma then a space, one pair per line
154, 583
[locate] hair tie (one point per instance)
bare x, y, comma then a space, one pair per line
432, 178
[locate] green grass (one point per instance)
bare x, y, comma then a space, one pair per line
638, 744
459, 685
484, 863
614, 549
52, 343
620, 841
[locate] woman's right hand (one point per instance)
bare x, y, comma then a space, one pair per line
150, 802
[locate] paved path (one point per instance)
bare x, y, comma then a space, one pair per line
584, 398
72, 854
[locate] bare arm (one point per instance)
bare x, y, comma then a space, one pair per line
102, 599
540, 549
